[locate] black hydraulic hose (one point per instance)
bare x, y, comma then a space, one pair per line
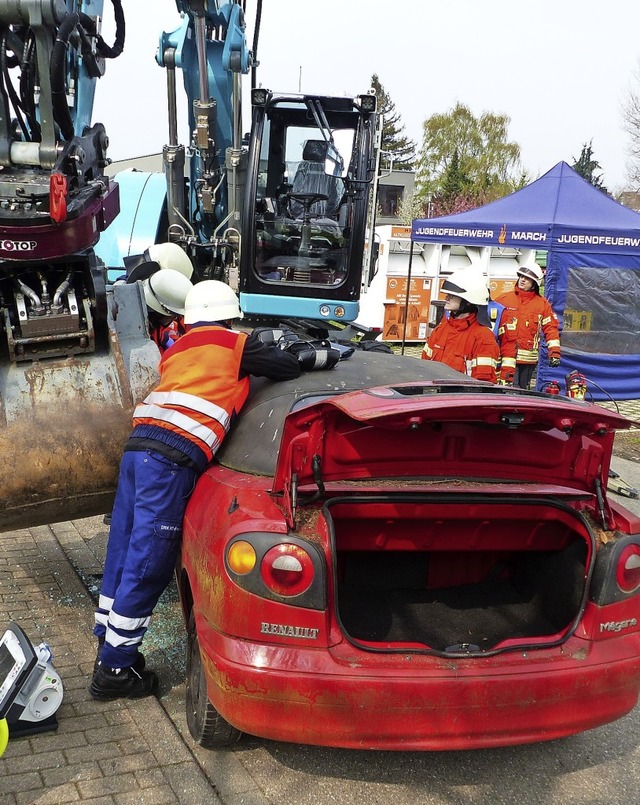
256, 36
4, 101
27, 75
15, 44
8, 85
118, 45
57, 74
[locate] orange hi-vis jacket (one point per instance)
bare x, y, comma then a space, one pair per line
530, 313
200, 389
465, 345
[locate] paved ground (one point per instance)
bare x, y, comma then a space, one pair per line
112, 753
120, 753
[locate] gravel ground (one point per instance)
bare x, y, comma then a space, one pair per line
627, 445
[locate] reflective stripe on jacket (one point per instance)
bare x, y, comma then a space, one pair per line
200, 388
530, 313
508, 345
466, 346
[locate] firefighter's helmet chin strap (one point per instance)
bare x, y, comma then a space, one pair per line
465, 309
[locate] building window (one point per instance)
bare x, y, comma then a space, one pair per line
389, 198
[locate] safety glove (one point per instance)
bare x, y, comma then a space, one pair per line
313, 355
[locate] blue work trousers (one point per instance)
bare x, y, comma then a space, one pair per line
144, 540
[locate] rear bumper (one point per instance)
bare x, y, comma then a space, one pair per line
315, 696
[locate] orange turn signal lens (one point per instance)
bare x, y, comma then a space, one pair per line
241, 557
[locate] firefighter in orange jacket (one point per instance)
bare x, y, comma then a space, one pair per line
526, 314
204, 382
463, 339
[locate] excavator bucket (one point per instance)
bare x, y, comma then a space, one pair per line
65, 419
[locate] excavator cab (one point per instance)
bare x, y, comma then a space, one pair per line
305, 209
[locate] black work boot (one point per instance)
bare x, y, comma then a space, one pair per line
123, 683
138, 664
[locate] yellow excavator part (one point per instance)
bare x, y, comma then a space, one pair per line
4, 735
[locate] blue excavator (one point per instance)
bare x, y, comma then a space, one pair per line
279, 213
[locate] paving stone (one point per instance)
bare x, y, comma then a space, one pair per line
141, 761
57, 796
107, 785
14, 783
85, 770
150, 796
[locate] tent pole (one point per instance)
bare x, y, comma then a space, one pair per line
406, 299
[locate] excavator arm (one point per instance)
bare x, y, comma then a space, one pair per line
210, 49
239, 204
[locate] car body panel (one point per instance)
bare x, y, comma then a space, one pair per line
287, 668
324, 697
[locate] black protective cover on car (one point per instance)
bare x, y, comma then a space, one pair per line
253, 444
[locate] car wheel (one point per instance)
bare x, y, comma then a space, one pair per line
207, 727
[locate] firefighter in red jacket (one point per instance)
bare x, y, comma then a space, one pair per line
204, 382
463, 339
526, 314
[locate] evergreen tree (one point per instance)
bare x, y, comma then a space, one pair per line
454, 180
395, 145
586, 166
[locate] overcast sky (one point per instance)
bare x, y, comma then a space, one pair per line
560, 70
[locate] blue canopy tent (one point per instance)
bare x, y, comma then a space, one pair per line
593, 271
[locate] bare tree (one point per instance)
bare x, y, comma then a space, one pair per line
631, 120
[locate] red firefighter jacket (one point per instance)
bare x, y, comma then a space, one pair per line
165, 335
465, 345
530, 313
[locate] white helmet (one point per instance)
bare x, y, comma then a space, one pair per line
165, 292
170, 255
211, 300
468, 284
533, 272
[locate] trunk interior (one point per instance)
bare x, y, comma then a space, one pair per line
460, 576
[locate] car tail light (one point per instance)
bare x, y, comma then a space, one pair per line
628, 568
280, 567
287, 569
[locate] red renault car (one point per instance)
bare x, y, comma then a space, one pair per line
389, 555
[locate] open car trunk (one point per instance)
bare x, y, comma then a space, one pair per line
458, 516
457, 576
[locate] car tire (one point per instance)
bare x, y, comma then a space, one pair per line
207, 727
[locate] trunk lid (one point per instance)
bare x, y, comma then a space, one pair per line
438, 431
